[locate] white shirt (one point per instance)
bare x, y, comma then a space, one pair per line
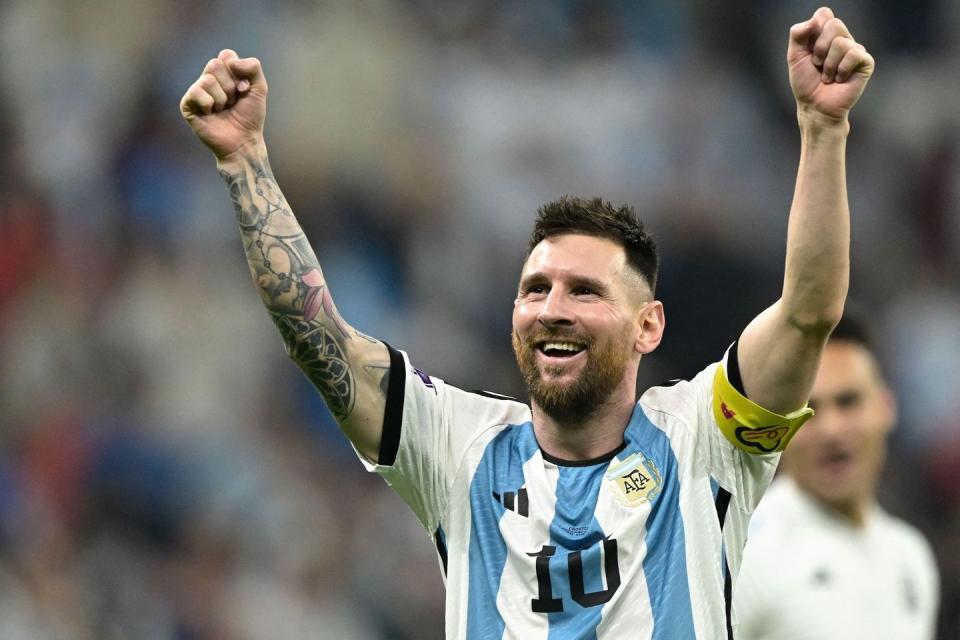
629, 545
809, 573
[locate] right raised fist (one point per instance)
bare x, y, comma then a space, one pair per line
227, 104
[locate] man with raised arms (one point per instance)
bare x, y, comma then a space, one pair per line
588, 514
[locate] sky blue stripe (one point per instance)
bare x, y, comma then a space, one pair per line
575, 528
500, 469
665, 564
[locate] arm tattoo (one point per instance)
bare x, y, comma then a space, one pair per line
315, 349
291, 284
382, 370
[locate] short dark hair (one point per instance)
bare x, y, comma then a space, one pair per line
595, 217
853, 328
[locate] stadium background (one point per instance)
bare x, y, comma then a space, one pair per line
166, 473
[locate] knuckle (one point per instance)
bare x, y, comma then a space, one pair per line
842, 45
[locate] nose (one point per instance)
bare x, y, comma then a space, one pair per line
829, 422
556, 310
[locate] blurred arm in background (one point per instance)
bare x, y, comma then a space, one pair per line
226, 108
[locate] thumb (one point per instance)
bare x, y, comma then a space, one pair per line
248, 72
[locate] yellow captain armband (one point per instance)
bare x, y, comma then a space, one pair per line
750, 427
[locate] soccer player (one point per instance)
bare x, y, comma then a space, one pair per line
588, 514
824, 560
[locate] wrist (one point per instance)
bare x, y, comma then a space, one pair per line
239, 156
815, 124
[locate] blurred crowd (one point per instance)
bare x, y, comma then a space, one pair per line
165, 472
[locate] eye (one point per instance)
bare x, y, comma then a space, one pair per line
534, 289
849, 400
583, 291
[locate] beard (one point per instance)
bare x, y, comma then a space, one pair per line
571, 402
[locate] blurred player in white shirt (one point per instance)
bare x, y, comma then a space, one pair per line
824, 560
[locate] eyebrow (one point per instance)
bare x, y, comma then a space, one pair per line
842, 398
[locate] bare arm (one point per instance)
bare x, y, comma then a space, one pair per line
780, 349
226, 107
347, 367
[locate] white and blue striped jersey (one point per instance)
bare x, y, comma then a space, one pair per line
641, 543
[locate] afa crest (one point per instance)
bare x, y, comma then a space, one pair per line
635, 480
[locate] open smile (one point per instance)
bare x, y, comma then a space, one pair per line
556, 352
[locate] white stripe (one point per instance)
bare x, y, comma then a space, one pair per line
518, 583
459, 523
632, 616
701, 531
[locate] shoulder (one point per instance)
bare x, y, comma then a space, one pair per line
428, 398
680, 398
777, 514
904, 535
486, 406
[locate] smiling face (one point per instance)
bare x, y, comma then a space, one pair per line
837, 456
581, 321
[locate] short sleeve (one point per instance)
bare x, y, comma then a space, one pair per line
745, 475
427, 427
741, 473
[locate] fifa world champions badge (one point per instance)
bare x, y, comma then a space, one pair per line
635, 481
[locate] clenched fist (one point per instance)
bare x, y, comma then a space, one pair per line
828, 68
227, 105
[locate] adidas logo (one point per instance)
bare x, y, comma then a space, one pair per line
516, 501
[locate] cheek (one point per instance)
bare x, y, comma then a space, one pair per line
802, 445
524, 318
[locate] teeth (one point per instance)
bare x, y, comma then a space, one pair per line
562, 346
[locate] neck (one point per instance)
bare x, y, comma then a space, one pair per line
599, 433
854, 511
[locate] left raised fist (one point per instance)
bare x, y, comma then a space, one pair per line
828, 68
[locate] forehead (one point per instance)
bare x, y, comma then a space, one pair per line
845, 365
573, 254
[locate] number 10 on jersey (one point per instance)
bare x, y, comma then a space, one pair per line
545, 602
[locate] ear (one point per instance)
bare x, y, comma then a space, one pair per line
650, 324
889, 407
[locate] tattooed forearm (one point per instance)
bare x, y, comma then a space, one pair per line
316, 351
282, 263
291, 283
